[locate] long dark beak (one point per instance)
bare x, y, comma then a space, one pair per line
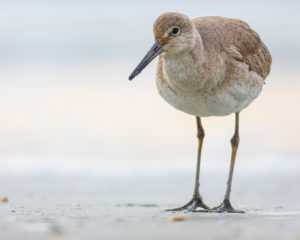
153, 52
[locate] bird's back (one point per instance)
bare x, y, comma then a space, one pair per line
237, 39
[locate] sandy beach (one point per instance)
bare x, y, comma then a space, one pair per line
45, 203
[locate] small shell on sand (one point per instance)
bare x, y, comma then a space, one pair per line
177, 218
4, 200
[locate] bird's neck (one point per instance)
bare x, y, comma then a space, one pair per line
187, 71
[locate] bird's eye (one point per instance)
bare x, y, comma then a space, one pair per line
175, 30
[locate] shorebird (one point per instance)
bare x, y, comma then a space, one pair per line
208, 66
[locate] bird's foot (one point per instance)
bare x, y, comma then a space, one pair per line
192, 206
225, 207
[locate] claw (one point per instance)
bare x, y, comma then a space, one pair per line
192, 205
225, 207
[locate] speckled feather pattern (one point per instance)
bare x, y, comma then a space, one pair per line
216, 67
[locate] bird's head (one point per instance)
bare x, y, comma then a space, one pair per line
173, 34
174, 31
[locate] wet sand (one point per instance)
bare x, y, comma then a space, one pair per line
88, 204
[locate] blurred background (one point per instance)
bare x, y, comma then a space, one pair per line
84, 153
66, 102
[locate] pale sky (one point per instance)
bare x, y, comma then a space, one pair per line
80, 31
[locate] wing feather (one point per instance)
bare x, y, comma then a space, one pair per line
237, 39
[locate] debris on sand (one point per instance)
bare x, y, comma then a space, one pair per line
4, 200
177, 218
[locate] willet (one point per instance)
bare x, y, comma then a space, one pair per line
208, 66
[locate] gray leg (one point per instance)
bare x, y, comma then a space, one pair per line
226, 205
196, 200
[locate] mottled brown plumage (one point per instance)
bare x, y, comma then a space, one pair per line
237, 39
213, 67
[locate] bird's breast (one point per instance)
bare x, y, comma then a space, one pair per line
180, 72
187, 89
